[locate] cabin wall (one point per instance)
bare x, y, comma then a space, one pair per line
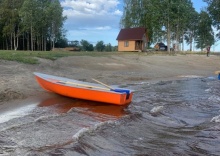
130, 47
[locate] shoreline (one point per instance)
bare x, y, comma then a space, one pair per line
17, 81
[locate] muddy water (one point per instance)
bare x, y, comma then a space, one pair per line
179, 117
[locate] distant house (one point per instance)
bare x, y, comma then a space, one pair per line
132, 39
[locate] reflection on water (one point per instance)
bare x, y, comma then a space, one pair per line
166, 118
63, 105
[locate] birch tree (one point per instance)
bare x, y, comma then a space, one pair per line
162, 18
9, 13
204, 32
35, 23
214, 11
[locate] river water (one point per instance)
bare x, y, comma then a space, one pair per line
180, 117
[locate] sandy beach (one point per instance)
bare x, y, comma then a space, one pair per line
17, 80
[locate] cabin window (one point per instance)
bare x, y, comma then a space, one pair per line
126, 43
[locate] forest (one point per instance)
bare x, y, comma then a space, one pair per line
30, 24
37, 25
174, 21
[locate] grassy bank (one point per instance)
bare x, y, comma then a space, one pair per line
31, 57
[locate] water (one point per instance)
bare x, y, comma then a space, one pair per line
179, 117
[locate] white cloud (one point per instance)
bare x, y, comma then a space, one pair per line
118, 12
91, 5
93, 13
91, 17
103, 28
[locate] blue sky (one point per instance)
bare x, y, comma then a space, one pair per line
198, 4
97, 20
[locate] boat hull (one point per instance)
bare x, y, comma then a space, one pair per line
81, 90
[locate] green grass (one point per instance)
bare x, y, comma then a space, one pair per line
18, 56
31, 57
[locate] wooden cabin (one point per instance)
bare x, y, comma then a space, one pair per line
132, 39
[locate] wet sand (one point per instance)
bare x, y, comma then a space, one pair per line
17, 81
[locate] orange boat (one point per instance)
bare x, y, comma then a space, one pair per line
84, 90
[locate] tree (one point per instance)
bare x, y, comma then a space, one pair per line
29, 14
55, 20
157, 14
108, 47
90, 48
61, 42
37, 24
10, 20
141, 13
189, 34
86, 46
204, 33
214, 11
74, 43
176, 19
100, 46
115, 48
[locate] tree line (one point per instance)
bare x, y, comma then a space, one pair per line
174, 21
84, 45
30, 24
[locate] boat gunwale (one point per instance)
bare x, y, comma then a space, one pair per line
41, 75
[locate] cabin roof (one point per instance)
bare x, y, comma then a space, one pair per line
131, 34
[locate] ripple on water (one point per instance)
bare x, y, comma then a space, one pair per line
186, 123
